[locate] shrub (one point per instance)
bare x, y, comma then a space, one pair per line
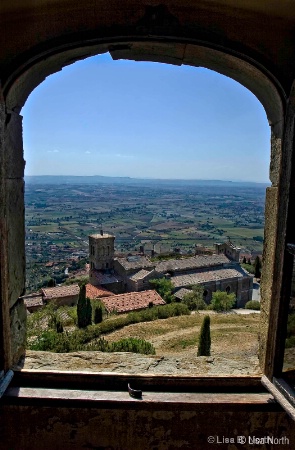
164, 288
221, 301
205, 338
64, 343
78, 339
194, 299
253, 304
133, 345
249, 267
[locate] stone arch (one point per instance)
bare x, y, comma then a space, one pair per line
29, 72
264, 86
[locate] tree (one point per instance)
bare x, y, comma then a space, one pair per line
257, 267
88, 311
205, 338
164, 287
59, 326
98, 314
244, 260
82, 310
221, 301
195, 299
51, 282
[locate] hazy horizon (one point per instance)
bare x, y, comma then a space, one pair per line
149, 178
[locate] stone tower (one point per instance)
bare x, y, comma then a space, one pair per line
228, 249
101, 251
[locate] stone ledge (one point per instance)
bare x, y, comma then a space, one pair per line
132, 363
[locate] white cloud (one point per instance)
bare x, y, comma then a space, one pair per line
53, 151
87, 152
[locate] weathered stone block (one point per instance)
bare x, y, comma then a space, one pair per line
18, 323
267, 278
275, 160
16, 238
14, 161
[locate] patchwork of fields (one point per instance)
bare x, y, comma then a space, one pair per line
60, 215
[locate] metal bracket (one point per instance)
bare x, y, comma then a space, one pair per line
135, 393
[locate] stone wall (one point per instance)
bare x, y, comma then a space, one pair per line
73, 427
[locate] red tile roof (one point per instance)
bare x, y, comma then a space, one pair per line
60, 291
132, 301
97, 291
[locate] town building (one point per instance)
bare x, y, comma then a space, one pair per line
61, 295
132, 301
101, 251
219, 271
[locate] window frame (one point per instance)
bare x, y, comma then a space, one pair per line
16, 92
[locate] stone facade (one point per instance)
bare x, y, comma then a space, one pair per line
228, 249
215, 272
61, 295
101, 251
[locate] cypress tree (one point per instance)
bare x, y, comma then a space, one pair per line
257, 267
88, 311
205, 338
59, 326
98, 314
82, 308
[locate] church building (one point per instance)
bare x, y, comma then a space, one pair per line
220, 271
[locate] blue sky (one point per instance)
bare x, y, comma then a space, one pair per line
147, 120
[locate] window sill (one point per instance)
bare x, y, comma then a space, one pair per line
150, 400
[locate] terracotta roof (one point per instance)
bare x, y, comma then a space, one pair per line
97, 291
135, 262
140, 275
105, 278
132, 301
33, 301
196, 262
61, 291
207, 276
182, 292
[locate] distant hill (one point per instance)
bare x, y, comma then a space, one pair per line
99, 179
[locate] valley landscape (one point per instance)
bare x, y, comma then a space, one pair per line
61, 212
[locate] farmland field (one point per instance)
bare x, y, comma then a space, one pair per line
62, 211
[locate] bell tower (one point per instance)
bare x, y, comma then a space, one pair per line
101, 251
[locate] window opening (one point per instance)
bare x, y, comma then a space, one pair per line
161, 226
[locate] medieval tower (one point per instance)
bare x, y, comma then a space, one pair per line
101, 251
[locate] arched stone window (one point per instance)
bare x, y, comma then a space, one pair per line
28, 61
